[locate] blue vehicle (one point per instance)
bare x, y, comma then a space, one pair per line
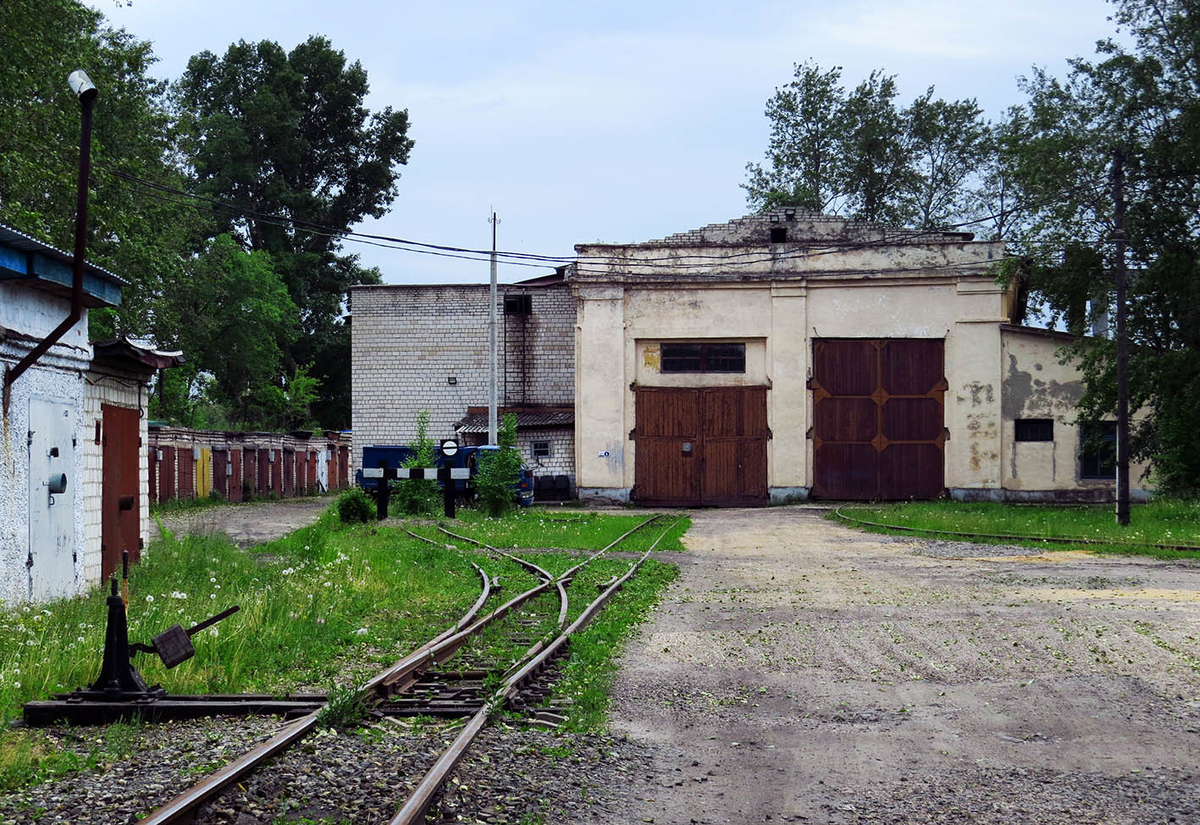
394, 457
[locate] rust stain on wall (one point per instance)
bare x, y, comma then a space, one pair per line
652, 358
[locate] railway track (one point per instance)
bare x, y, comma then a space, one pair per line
446, 677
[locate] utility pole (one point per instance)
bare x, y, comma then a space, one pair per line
1118, 184
493, 423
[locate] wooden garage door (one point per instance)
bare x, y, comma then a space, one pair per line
701, 446
878, 430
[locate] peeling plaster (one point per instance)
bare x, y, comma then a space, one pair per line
1021, 394
980, 394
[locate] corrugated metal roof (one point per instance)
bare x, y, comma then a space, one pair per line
27, 243
478, 422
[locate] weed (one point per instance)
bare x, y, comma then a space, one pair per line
355, 507
343, 708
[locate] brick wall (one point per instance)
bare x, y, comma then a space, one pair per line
408, 341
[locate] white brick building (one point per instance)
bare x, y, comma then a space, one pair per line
425, 347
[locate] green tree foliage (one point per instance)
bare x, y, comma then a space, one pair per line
130, 231
860, 155
231, 314
500, 470
416, 496
287, 134
1145, 102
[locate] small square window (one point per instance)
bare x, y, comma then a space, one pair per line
1034, 429
1098, 449
519, 304
540, 449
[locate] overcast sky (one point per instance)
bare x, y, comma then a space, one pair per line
613, 121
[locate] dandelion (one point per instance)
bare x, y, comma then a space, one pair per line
212, 579
16, 684
217, 586
362, 631
212, 595
216, 632
178, 594
328, 584
149, 599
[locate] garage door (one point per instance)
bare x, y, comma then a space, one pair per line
878, 421
701, 446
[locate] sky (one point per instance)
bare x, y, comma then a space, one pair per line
615, 121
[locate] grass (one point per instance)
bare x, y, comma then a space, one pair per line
537, 527
324, 607
1157, 522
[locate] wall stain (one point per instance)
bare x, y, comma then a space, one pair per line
979, 392
1021, 394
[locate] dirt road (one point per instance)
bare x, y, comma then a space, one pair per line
246, 524
801, 671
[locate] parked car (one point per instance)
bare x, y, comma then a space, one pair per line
395, 456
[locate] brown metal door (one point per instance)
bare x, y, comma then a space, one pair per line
734, 445
220, 469
166, 474
343, 467
289, 473
153, 464
120, 521
236, 477
187, 468
667, 463
250, 471
878, 429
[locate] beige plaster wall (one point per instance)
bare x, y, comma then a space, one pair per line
1036, 384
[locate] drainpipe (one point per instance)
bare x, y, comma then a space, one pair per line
83, 87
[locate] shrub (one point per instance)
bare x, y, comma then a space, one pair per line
414, 496
499, 470
355, 507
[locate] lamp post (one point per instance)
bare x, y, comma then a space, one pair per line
85, 90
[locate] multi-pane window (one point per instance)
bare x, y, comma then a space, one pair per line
540, 449
703, 357
1034, 429
1098, 449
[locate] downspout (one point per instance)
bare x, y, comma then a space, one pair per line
86, 90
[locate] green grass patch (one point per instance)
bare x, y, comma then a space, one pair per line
322, 608
1157, 522
587, 675
538, 527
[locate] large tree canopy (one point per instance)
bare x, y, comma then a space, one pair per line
285, 139
1143, 102
861, 155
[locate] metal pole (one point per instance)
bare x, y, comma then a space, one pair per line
1118, 181
493, 427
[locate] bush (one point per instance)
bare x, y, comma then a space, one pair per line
415, 496
499, 470
355, 507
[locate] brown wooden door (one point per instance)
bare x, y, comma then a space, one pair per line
667, 465
250, 471
120, 521
704, 446
878, 430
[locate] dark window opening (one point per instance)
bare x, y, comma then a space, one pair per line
540, 449
1035, 429
778, 234
1098, 449
518, 304
703, 357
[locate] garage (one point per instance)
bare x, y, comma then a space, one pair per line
878, 418
701, 446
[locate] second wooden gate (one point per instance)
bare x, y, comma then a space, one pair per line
878, 429
701, 446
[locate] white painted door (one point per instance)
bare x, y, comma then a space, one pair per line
51, 557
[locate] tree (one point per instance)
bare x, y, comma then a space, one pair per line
499, 470
136, 234
286, 140
1146, 103
233, 318
860, 155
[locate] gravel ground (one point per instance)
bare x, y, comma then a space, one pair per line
820, 674
246, 524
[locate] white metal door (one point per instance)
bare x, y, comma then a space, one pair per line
51, 558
